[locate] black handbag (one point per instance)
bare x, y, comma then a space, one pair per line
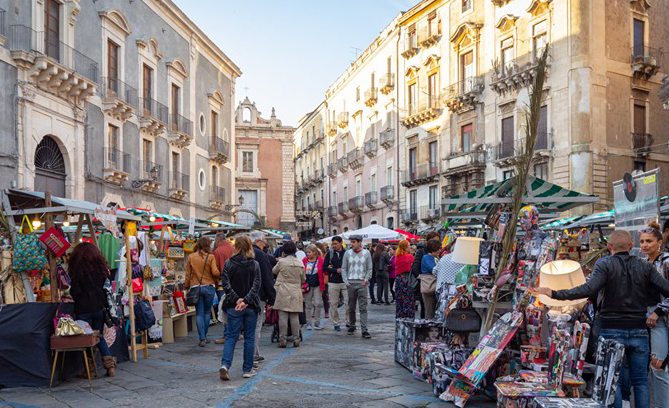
461, 320
193, 295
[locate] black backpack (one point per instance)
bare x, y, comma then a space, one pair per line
144, 316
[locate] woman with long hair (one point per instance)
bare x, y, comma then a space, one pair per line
241, 283
326, 292
391, 271
201, 270
658, 307
381, 261
313, 270
88, 271
290, 276
405, 306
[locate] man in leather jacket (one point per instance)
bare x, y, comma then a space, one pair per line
625, 282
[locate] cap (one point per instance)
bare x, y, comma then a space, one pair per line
355, 238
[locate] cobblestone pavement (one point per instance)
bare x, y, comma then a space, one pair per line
330, 368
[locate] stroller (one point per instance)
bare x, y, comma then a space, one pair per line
273, 317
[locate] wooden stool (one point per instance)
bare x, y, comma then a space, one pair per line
62, 363
81, 343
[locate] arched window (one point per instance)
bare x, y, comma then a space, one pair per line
49, 167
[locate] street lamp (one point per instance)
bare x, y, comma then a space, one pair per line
153, 176
240, 199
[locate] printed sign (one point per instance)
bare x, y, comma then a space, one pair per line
191, 225
636, 202
107, 217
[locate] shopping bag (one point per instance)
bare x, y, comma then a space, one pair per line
28, 252
55, 241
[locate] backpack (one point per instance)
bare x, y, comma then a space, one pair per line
144, 316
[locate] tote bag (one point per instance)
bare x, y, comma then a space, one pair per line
28, 252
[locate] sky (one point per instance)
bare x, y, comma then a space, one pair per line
291, 51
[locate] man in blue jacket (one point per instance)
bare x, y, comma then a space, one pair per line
267, 292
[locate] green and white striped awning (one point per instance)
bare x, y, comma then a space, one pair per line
547, 197
561, 223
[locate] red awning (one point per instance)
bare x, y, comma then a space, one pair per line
409, 236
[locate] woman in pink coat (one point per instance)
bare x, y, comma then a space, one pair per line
314, 286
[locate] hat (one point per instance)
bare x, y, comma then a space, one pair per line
355, 238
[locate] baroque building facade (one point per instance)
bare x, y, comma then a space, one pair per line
463, 73
265, 170
127, 103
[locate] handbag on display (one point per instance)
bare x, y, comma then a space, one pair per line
189, 246
144, 316
137, 285
428, 283
110, 311
463, 320
67, 327
28, 252
193, 296
175, 251
55, 241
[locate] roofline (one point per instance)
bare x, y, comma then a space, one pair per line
419, 8
310, 115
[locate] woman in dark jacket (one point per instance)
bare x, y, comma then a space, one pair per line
241, 283
381, 261
88, 271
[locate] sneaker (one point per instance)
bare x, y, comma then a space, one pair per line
220, 341
318, 327
351, 330
202, 343
366, 335
327, 315
310, 327
255, 364
348, 326
223, 373
207, 341
337, 328
250, 374
258, 358
373, 301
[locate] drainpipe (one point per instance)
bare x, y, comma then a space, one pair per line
397, 127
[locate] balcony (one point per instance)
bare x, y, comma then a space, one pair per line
426, 110
117, 166
371, 146
342, 120
465, 162
507, 151
410, 217
332, 129
318, 138
412, 49
119, 100
387, 83
514, 75
342, 209
500, 3
388, 195
428, 37
153, 116
641, 143
371, 96
179, 185
424, 173
463, 95
645, 61
428, 213
318, 206
52, 65
216, 197
332, 212
371, 199
387, 138
355, 158
219, 151
356, 204
342, 164
151, 175
3, 32
332, 170
181, 131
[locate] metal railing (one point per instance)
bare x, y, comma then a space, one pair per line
217, 193
179, 181
387, 80
353, 155
387, 193
23, 38
427, 103
342, 163
641, 142
152, 108
387, 138
342, 208
410, 216
464, 87
180, 124
371, 146
151, 171
2, 23
641, 54
342, 118
371, 198
332, 169
356, 203
219, 145
117, 160
332, 211
115, 88
370, 93
421, 171
506, 149
429, 212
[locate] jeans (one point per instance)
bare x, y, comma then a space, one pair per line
372, 282
659, 346
357, 293
335, 290
313, 299
248, 317
261, 321
203, 310
637, 355
97, 322
382, 289
294, 318
391, 285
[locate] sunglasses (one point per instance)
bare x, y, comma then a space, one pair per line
647, 231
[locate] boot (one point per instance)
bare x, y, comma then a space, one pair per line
282, 344
109, 363
296, 343
94, 374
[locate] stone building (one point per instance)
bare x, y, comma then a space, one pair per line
116, 102
265, 170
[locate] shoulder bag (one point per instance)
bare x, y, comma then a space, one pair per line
463, 320
312, 279
193, 296
28, 252
428, 283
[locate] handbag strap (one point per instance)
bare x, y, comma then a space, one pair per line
26, 219
204, 268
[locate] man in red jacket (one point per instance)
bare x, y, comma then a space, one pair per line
223, 252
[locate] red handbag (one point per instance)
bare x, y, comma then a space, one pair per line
55, 241
137, 285
271, 315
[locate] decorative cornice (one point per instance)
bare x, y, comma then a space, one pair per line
177, 66
117, 19
150, 43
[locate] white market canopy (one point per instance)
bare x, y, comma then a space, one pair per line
374, 231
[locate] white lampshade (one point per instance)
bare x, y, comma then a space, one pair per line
466, 250
557, 275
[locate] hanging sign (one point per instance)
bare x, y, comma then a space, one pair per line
636, 201
107, 217
191, 225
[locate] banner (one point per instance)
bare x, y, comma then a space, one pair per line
107, 217
636, 202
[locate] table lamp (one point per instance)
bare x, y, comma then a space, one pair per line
466, 250
557, 275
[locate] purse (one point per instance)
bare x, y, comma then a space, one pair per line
137, 285
55, 241
175, 252
28, 252
428, 283
461, 320
189, 246
67, 327
193, 296
110, 311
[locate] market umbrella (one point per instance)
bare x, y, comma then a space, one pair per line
409, 236
374, 231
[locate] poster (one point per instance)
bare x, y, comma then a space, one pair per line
636, 202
